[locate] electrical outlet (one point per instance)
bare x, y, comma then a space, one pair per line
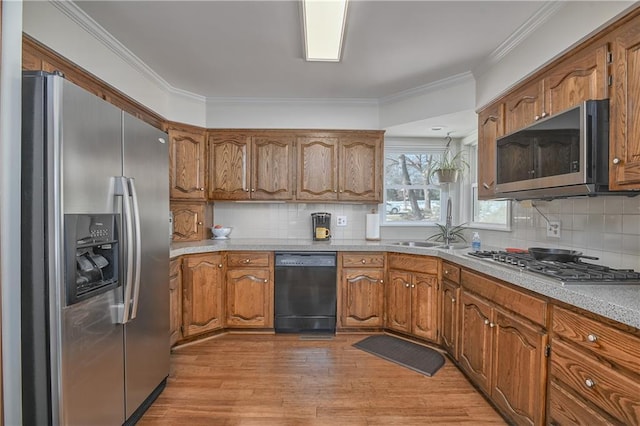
553, 229
341, 220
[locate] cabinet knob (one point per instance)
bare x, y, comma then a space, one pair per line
407, 285
200, 189
537, 117
592, 338
544, 114
363, 261
266, 281
616, 160
199, 223
453, 300
413, 286
381, 281
253, 190
485, 185
446, 272
589, 383
491, 324
219, 265
486, 322
246, 261
246, 190
341, 191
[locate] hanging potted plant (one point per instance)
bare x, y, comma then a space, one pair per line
450, 166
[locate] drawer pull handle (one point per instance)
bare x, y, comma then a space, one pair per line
592, 338
589, 383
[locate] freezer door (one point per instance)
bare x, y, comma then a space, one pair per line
87, 343
147, 348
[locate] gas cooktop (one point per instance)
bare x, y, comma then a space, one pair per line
565, 272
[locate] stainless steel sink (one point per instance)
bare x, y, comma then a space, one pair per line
456, 246
417, 243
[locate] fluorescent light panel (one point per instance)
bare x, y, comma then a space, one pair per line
324, 22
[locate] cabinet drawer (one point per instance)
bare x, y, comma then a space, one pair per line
248, 259
451, 272
566, 409
524, 304
615, 393
601, 339
416, 263
363, 260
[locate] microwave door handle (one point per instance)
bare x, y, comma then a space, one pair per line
123, 190
138, 247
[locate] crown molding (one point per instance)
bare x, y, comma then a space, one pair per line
326, 101
541, 16
454, 80
78, 16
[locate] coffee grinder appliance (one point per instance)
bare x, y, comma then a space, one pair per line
321, 226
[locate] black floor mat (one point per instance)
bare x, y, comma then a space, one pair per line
411, 355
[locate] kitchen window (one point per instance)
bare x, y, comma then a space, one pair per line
488, 214
411, 195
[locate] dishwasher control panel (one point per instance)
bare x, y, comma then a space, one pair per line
305, 259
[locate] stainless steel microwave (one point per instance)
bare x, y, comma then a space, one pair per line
564, 155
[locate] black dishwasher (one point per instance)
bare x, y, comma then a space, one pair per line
305, 292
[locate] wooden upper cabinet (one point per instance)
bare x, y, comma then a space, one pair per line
360, 173
524, 106
317, 168
624, 145
340, 166
186, 165
490, 127
272, 165
580, 77
188, 221
246, 166
229, 162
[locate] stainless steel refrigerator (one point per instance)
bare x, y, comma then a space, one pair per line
95, 258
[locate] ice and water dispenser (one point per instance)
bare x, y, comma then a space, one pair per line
91, 255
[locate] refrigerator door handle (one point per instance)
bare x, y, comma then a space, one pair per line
138, 244
123, 190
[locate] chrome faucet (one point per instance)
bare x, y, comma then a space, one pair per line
447, 227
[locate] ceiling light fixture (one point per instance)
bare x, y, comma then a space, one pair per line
323, 23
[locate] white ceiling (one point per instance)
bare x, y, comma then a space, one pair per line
253, 49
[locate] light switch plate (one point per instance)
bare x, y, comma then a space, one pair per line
553, 229
341, 220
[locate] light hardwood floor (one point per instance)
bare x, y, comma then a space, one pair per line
283, 380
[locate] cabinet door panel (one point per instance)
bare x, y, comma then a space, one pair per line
523, 107
579, 78
362, 298
359, 162
424, 304
202, 308
249, 298
399, 301
229, 161
272, 168
449, 322
317, 168
186, 165
490, 127
625, 109
188, 221
175, 301
519, 369
476, 339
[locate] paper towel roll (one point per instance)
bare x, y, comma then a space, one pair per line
372, 226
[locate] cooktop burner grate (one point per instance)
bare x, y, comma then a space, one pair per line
566, 272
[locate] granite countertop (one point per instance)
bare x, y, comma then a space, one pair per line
617, 302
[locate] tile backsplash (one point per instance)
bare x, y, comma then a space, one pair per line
605, 227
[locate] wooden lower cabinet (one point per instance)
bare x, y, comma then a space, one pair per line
412, 303
504, 355
595, 370
450, 301
249, 290
202, 286
175, 301
361, 291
